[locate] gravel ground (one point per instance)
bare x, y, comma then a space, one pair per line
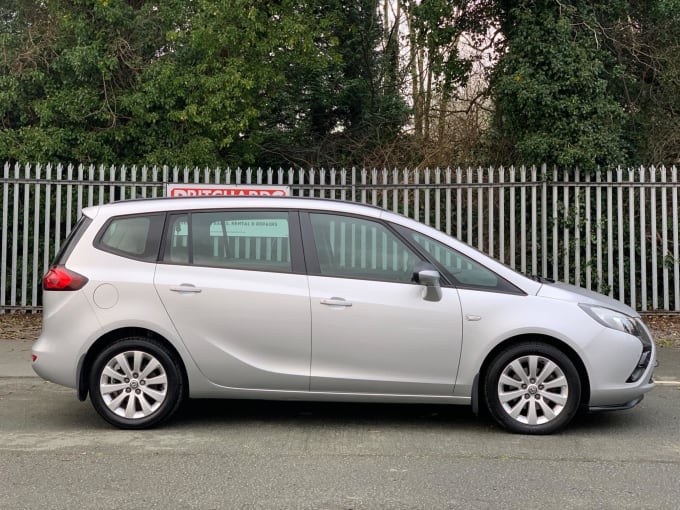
25, 326
665, 329
20, 326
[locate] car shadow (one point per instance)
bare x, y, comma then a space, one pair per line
197, 412
207, 413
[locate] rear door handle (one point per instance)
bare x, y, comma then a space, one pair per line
186, 288
336, 301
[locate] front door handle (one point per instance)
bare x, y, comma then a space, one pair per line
186, 288
336, 301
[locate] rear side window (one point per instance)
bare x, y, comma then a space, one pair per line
255, 240
137, 237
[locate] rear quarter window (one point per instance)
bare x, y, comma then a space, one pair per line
136, 237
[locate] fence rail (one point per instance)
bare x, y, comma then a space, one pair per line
615, 231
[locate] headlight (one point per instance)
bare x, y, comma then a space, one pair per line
621, 322
612, 319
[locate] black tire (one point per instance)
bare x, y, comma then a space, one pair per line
143, 393
540, 389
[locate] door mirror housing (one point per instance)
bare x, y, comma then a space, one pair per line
427, 275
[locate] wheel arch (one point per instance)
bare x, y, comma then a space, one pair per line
478, 385
105, 340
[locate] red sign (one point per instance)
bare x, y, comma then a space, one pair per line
224, 190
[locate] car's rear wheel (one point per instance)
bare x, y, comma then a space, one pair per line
136, 383
532, 388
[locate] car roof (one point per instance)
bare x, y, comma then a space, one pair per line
193, 203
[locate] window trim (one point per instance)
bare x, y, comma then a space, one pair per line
297, 256
164, 238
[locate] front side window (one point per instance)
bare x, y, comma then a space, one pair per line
462, 270
353, 247
136, 237
257, 240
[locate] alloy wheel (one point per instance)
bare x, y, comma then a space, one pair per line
533, 390
133, 384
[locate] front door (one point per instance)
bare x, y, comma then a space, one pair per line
372, 331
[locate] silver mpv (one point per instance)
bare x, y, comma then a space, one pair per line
153, 301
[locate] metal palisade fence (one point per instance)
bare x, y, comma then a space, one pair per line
614, 231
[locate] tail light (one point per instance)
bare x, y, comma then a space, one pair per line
60, 278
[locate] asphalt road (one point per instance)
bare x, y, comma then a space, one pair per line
55, 452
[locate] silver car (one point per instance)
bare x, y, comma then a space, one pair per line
153, 301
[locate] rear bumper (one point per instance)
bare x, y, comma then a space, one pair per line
68, 324
54, 361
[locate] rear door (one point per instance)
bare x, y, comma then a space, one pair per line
234, 285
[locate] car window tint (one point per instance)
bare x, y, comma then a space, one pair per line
461, 269
357, 248
135, 237
465, 270
241, 240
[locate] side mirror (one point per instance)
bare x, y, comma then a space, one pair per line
427, 275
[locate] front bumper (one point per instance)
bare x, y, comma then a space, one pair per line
616, 407
631, 403
624, 395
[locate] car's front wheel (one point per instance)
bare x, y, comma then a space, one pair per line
136, 383
532, 388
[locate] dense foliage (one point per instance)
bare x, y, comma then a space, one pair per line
553, 103
587, 83
367, 82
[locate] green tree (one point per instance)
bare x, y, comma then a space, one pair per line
146, 82
229, 71
65, 71
343, 113
642, 35
552, 89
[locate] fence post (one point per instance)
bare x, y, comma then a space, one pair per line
3, 241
